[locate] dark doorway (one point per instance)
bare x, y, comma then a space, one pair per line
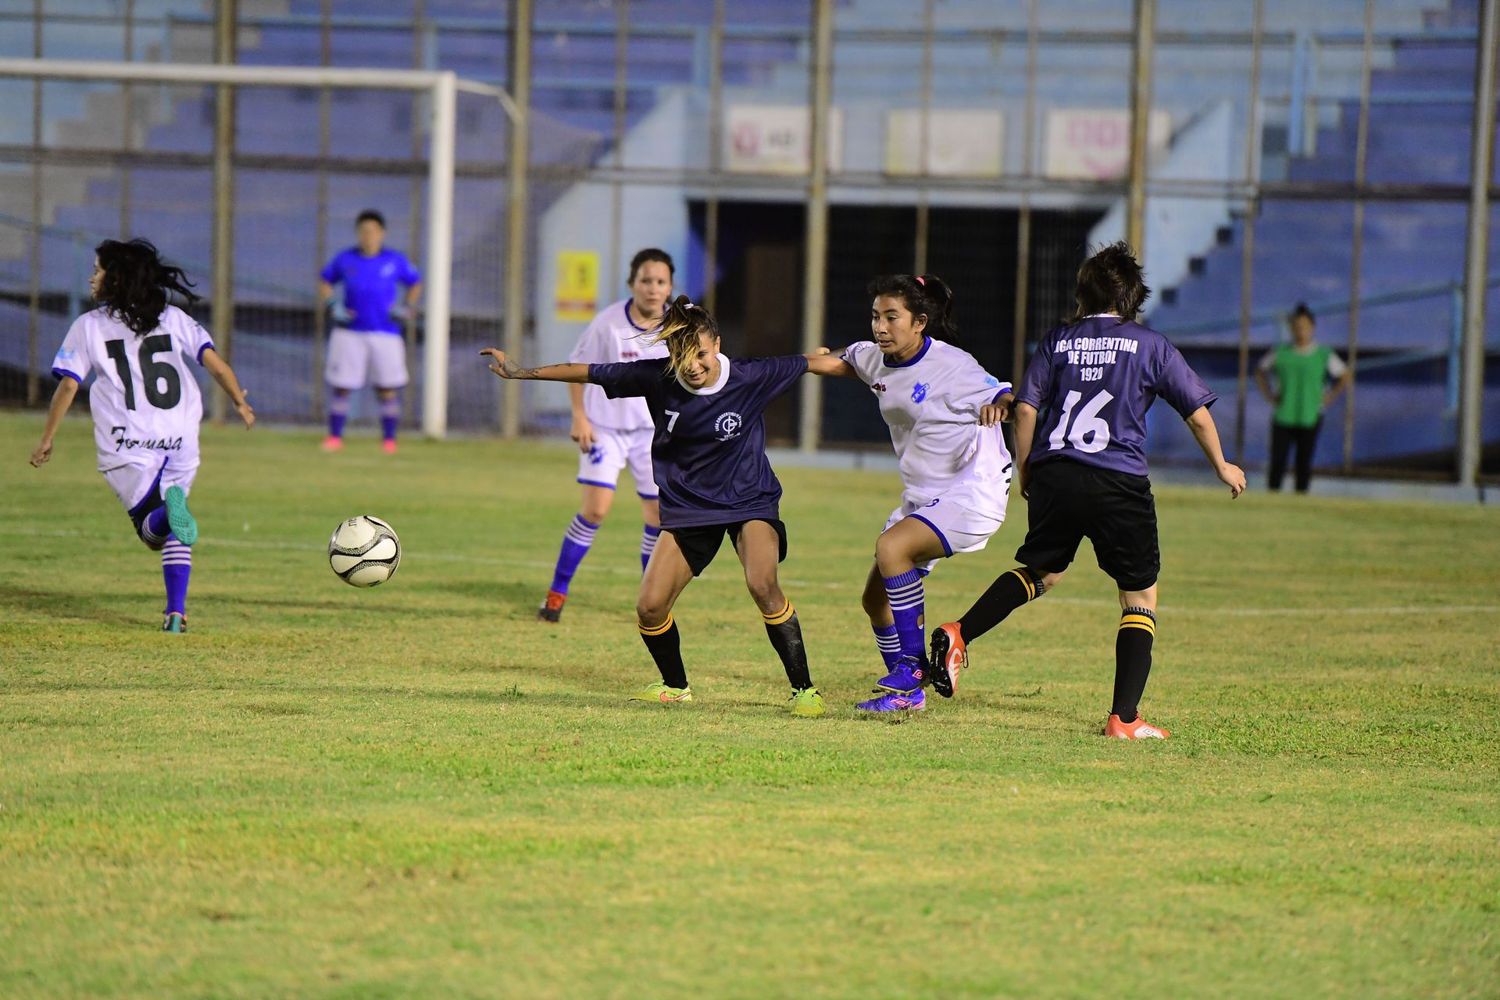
759, 298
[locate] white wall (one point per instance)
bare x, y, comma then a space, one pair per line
650, 215
1179, 229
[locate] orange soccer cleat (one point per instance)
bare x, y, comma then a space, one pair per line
552, 608
948, 658
1140, 729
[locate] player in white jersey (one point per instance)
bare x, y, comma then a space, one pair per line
613, 433
944, 411
145, 402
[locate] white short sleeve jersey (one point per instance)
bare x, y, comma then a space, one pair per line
931, 404
611, 337
144, 400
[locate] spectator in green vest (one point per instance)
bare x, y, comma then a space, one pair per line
1307, 378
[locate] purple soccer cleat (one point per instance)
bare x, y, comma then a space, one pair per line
909, 674
890, 701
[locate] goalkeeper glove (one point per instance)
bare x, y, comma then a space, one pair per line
338, 313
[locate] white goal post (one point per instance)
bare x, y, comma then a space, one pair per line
441, 87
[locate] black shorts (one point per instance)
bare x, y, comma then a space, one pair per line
700, 543
1069, 501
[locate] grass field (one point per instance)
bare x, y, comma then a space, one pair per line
419, 791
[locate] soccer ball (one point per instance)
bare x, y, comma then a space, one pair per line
364, 551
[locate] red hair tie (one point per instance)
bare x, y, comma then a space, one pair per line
920, 281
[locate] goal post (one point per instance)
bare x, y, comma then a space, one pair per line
441, 87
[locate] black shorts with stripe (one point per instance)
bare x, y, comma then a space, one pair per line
700, 543
1069, 501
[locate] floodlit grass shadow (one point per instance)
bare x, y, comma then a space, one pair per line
519, 597
56, 604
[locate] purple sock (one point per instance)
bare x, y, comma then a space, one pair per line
390, 415
648, 544
889, 644
156, 526
576, 542
338, 412
176, 567
906, 597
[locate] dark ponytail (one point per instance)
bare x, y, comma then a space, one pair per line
136, 283
1111, 281
924, 295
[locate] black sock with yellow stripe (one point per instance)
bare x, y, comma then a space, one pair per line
1132, 660
1009, 591
786, 638
665, 646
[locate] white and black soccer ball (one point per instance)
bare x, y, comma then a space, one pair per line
364, 551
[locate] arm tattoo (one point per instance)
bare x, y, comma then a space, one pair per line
513, 370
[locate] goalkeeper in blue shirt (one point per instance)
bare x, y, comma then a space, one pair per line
368, 310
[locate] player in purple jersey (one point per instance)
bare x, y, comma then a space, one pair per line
366, 344
1080, 450
713, 479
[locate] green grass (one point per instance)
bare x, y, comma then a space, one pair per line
419, 791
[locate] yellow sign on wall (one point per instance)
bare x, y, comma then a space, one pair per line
577, 285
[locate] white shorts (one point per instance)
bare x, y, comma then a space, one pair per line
132, 483
614, 450
963, 518
351, 355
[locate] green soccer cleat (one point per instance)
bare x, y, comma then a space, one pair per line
659, 692
174, 623
179, 518
807, 704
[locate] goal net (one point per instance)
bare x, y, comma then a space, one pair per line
128, 149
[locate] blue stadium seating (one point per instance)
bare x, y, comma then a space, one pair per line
1302, 247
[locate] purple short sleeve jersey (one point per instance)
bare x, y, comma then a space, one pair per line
709, 446
1092, 383
372, 287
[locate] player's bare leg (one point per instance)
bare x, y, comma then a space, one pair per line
666, 576
1133, 644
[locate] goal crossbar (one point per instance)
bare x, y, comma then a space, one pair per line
442, 86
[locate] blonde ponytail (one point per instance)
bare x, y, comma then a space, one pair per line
682, 326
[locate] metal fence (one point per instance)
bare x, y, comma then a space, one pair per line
1257, 153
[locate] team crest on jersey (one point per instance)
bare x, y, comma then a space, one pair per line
728, 425
919, 392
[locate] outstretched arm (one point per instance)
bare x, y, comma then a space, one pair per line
1201, 423
62, 398
824, 362
506, 368
224, 375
